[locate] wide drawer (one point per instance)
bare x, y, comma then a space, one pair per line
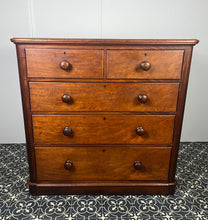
100, 164
64, 63
106, 129
137, 97
144, 64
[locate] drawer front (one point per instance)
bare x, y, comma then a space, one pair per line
144, 64
100, 164
138, 97
61, 63
107, 129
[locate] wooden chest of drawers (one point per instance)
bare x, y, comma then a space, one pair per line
103, 116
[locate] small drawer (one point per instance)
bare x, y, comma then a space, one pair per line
114, 97
144, 64
102, 164
102, 129
64, 63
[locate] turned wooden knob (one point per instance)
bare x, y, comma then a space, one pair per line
140, 131
145, 65
66, 98
68, 165
137, 165
67, 131
142, 98
65, 65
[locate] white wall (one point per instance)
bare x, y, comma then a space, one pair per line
139, 19
13, 22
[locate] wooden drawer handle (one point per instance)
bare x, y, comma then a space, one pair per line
67, 131
137, 165
140, 131
142, 98
67, 98
145, 65
65, 65
68, 165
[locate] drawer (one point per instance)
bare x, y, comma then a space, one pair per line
137, 97
64, 63
100, 164
106, 129
144, 64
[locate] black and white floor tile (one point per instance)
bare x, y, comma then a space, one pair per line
189, 202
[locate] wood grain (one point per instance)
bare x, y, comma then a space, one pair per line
108, 107
24, 85
180, 111
102, 164
119, 42
125, 64
103, 97
106, 129
46, 63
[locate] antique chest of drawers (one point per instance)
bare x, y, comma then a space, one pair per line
103, 116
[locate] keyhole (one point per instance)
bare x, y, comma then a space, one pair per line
104, 86
64, 52
145, 54
104, 118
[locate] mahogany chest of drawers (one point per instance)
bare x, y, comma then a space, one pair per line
103, 116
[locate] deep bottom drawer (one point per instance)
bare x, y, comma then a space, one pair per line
102, 164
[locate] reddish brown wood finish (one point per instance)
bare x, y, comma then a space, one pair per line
138, 165
114, 97
81, 63
103, 129
161, 91
96, 188
65, 65
101, 164
66, 98
109, 42
142, 98
68, 165
180, 110
140, 131
145, 65
26, 111
126, 64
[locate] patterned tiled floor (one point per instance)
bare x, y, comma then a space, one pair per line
189, 202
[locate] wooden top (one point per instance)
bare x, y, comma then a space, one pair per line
104, 41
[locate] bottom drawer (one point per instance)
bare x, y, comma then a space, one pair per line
102, 164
